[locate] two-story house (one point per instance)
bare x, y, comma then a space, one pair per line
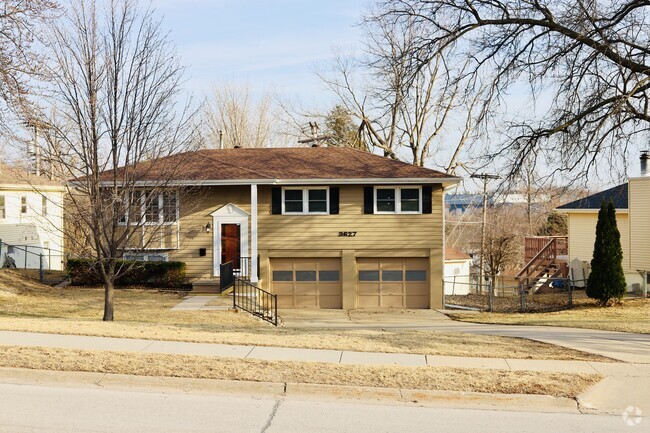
31, 219
320, 227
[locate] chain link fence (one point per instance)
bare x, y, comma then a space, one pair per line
511, 296
32, 257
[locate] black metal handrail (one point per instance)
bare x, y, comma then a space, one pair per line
255, 300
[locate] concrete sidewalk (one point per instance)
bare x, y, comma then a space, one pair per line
12, 338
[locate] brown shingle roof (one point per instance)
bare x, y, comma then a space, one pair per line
16, 176
452, 253
292, 163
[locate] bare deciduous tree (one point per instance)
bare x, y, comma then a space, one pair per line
113, 113
20, 21
233, 117
588, 60
402, 109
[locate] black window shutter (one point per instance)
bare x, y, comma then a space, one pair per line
334, 200
427, 190
368, 199
276, 201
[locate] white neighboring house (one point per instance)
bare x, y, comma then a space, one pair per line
31, 219
457, 271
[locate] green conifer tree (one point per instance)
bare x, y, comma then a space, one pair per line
607, 279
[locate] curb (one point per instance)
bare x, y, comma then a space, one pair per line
371, 395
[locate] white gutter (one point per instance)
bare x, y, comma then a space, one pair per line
28, 187
235, 182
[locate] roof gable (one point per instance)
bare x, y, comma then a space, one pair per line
618, 194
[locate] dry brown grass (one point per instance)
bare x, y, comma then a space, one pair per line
633, 315
146, 314
429, 378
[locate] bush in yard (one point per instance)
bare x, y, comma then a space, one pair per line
607, 279
154, 274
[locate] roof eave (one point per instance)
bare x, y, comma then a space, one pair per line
586, 210
445, 181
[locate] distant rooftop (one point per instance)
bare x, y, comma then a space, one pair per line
10, 175
618, 195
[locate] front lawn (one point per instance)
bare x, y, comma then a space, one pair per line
29, 306
385, 376
633, 315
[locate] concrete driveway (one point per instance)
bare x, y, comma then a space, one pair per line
623, 346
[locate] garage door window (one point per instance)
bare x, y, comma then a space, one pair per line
305, 275
368, 275
392, 276
416, 275
329, 276
282, 275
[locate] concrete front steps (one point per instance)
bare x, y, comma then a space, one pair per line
207, 286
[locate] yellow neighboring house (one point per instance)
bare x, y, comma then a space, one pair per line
320, 227
632, 203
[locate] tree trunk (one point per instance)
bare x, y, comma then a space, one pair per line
109, 289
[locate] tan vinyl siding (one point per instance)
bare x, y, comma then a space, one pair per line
639, 199
316, 236
380, 232
195, 209
582, 235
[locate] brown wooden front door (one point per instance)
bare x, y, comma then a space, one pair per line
230, 241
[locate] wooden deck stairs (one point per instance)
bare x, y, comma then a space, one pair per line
546, 261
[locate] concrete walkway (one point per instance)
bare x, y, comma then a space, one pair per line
196, 303
12, 338
623, 346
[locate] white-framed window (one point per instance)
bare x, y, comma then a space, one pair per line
398, 199
44, 205
23, 204
3, 209
153, 208
305, 201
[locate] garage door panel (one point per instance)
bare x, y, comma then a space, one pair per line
329, 289
392, 289
368, 288
392, 301
368, 301
417, 302
330, 301
417, 289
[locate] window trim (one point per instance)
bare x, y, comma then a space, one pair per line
3, 208
23, 205
44, 205
305, 199
398, 200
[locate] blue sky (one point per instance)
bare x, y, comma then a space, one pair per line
272, 45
